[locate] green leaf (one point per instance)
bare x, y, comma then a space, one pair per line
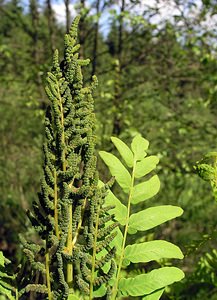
124, 151
117, 169
6, 292
153, 250
145, 284
152, 217
117, 242
5, 275
120, 210
100, 292
145, 166
138, 146
73, 297
145, 190
2, 261
154, 296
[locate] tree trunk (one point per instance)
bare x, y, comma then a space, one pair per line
118, 72
51, 21
68, 17
95, 41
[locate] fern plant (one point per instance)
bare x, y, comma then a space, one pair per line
83, 228
69, 215
148, 285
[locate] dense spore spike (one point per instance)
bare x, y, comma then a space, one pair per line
70, 201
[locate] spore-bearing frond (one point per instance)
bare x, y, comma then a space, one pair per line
69, 201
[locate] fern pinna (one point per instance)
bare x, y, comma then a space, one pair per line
70, 214
148, 286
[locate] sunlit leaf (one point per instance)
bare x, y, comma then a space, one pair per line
153, 250
145, 190
153, 216
148, 283
154, 296
6, 292
124, 151
117, 169
120, 210
100, 292
146, 165
2, 261
73, 297
138, 146
117, 241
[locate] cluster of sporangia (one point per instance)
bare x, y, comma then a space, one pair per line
69, 216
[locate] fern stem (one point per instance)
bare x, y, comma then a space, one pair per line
79, 226
115, 287
94, 256
16, 294
69, 272
55, 206
47, 261
69, 245
69, 276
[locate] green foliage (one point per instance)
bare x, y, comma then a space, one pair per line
206, 268
143, 252
163, 84
7, 282
207, 170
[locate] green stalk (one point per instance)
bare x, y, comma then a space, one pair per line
55, 206
47, 261
115, 287
69, 275
69, 271
94, 257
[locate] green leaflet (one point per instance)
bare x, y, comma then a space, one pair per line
73, 297
5, 275
154, 296
117, 242
6, 281
138, 146
117, 169
148, 283
6, 292
124, 151
100, 292
2, 261
152, 217
145, 190
120, 210
146, 165
153, 250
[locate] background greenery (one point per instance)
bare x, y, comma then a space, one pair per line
157, 75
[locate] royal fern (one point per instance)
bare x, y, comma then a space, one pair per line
149, 285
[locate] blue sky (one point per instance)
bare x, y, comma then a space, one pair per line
167, 9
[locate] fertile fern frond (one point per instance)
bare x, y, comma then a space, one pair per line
70, 200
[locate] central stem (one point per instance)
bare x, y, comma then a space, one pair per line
69, 272
47, 262
69, 249
94, 256
115, 287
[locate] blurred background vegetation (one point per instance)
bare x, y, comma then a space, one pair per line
156, 63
